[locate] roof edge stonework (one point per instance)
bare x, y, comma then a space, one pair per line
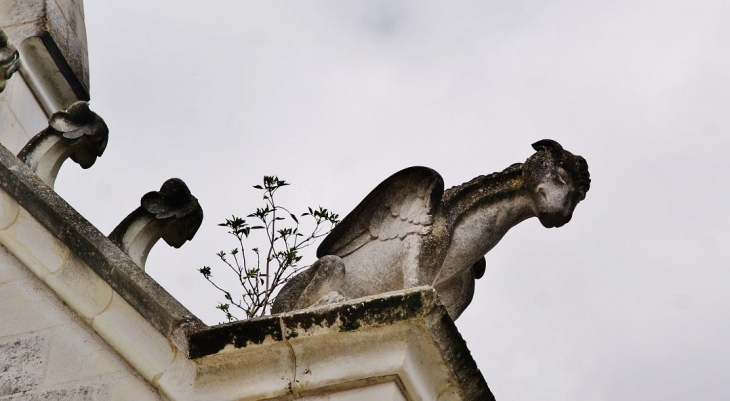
137, 288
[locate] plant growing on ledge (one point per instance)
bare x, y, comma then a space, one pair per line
261, 272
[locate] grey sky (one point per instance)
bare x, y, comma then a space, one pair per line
629, 301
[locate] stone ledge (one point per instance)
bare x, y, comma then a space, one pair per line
374, 311
412, 318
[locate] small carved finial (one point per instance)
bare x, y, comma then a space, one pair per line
77, 132
9, 60
172, 213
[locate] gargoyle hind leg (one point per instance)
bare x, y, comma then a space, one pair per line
458, 291
326, 281
324, 277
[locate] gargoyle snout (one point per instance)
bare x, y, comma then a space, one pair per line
554, 220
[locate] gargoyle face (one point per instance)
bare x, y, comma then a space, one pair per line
555, 198
556, 180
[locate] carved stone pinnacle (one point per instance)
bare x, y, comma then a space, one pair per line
172, 213
77, 132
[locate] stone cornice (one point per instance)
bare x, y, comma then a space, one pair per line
411, 319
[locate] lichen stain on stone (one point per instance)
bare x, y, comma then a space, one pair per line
305, 321
349, 317
381, 311
21, 364
239, 334
78, 393
371, 312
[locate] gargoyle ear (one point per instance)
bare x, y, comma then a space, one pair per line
548, 145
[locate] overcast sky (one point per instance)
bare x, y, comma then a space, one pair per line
629, 301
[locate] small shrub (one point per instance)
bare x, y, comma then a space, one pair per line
261, 273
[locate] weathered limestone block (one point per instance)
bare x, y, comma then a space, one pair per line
22, 361
46, 353
37, 249
409, 232
81, 289
22, 298
172, 214
142, 346
77, 132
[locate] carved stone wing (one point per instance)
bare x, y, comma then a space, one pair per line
402, 204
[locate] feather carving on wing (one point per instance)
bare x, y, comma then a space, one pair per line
403, 204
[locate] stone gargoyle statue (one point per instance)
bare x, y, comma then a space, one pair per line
409, 232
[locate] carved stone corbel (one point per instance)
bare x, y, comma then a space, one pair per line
77, 132
9, 60
172, 213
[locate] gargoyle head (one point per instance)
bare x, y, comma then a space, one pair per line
557, 180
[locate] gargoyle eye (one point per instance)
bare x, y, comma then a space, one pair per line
562, 176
